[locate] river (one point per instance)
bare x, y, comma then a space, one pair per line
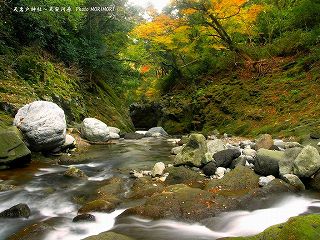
49, 195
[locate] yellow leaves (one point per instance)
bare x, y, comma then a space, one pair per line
188, 11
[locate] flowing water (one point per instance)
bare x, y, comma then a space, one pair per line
49, 195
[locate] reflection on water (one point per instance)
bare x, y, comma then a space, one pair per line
49, 194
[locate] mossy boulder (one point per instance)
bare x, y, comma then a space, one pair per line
296, 228
145, 187
13, 151
183, 175
193, 153
98, 205
267, 162
240, 180
182, 202
109, 236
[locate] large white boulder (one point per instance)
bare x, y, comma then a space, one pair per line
95, 130
43, 125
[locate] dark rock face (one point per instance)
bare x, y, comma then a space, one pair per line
17, 211
225, 157
209, 169
13, 152
182, 175
145, 116
84, 218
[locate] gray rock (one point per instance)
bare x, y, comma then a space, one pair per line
114, 130
315, 181
114, 135
209, 169
13, 151
286, 166
94, 130
17, 211
193, 153
214, 146
294, 181
43, 125
158, 169
156, 132
307, 162
133, 136
264, 141
292, 145
225, 157
264, 181
267, 162
249, 152
176, 150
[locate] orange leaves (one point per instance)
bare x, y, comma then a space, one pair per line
145, 69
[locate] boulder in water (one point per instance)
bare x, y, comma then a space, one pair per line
86, 217
294, 181
158, 169
13, 151
156, 132
133, 136
17, 211
43, 125
307, 162
193, 153
75, 173
95, 130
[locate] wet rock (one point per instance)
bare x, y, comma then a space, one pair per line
264, 181
13, 151
75, 173
133, 136
184, 175
158, 169
38, 230
225, 157
43, 125
267, 162
98, 205
109, 236
180, 202
241, 178
294, 181
84, 218
264, 141
20, 210
156, 132
94, 130
286, 165
209, 169
6, 187
145, 187
193, 153
307, 162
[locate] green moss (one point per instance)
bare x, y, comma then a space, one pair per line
296, 228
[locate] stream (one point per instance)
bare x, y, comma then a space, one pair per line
49, 194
